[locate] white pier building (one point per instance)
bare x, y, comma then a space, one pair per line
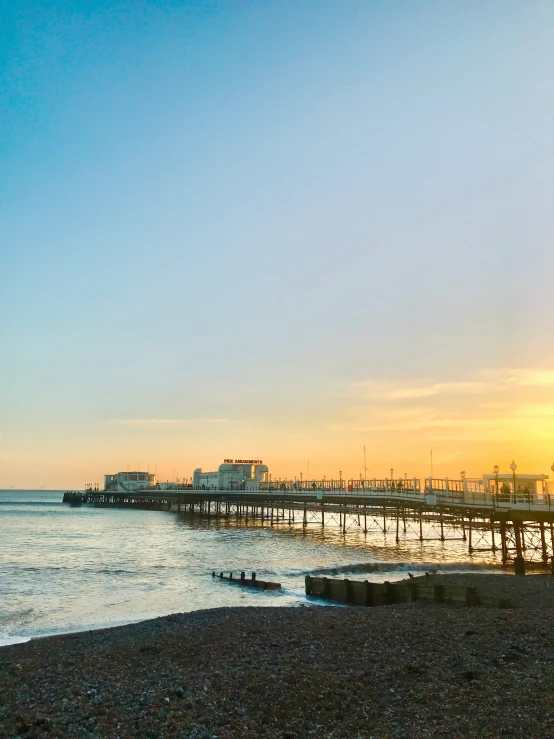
129, 482
233, 474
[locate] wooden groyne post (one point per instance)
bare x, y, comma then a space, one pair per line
248, 582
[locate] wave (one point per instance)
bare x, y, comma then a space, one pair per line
406, 567
83, 570
108, 571
6, 641
31, 502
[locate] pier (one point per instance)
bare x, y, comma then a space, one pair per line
517, 524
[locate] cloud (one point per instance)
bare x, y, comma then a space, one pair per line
493, 404
384, 390
486, 381
530, 378
172, 421
439, 388
535, 411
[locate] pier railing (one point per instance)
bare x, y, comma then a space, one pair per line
429, 492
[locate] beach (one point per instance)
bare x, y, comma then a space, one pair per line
409, 670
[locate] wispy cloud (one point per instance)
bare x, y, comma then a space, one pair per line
486, 381
439, 388
172, 421
530, 378
387, 390
493, 404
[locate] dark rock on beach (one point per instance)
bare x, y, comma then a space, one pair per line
410, 670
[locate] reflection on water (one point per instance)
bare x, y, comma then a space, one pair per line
66, 569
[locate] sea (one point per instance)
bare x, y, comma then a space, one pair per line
65, 569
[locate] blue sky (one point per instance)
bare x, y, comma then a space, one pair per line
220, 223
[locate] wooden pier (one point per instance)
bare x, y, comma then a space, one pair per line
519, 528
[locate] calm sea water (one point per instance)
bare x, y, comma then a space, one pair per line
68, 569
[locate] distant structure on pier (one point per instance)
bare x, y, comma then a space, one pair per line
237, 474
129, 481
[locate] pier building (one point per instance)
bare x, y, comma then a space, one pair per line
238, 474
129, 481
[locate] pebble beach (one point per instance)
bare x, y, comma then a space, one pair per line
406, 670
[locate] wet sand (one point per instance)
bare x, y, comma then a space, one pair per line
410, 670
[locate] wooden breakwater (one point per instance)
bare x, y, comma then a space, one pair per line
248, 582
365, 593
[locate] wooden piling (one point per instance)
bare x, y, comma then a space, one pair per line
517, 534
543, 545
503, 542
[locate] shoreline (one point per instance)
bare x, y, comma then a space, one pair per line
330, 572
407, 670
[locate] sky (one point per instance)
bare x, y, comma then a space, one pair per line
278, 230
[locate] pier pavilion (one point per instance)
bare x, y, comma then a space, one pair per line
238, 474
129, 481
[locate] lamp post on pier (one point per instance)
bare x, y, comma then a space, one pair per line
496, 470
513, 467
